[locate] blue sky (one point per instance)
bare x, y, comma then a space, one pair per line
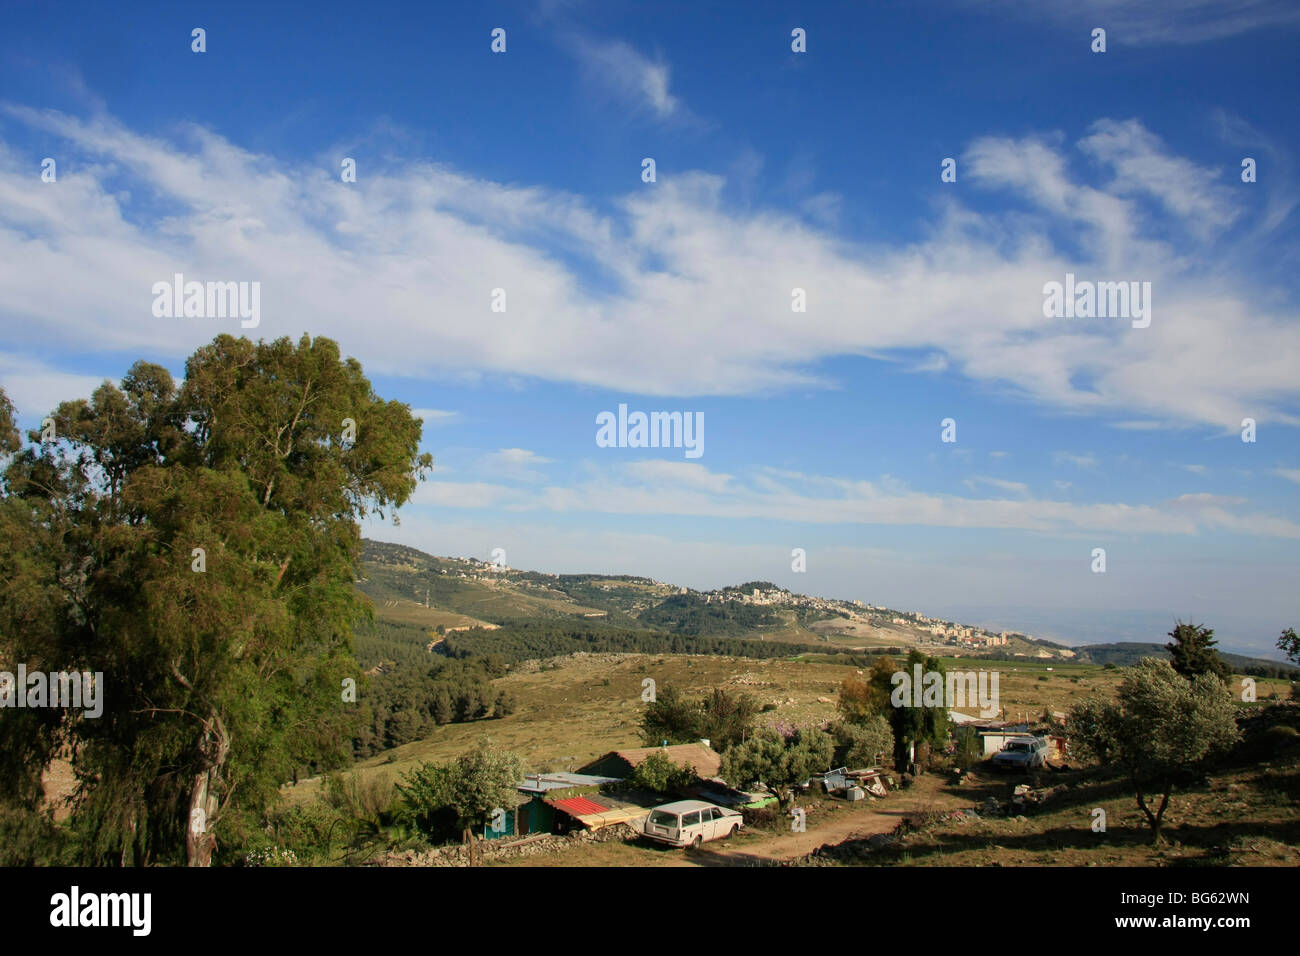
775, 170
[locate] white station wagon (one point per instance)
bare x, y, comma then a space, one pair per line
690, 823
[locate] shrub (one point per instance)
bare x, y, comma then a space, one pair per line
660, 775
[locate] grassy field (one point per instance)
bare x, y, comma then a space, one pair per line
412, 612
1242, 816
574, 709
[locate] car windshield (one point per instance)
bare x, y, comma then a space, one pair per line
1021, 747
659, 818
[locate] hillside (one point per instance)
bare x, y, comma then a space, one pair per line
1126, 654
435, 596
419, 599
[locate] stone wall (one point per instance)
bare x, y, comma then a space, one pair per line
493, 850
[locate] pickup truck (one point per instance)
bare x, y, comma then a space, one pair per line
1022, 753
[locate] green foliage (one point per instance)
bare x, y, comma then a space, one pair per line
425, 800
410, 702
919, 725
217, 684
671, 717
1160, 727
778, 761
659, 774
1289, 644
862, 743
539, 640
1192, 652
690, 614
441, 799
721, 718
10, 439
862, 699
485, 779
1129, 653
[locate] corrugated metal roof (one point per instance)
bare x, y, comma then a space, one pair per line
579, 806
542, 782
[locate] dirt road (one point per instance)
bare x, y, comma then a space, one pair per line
833, 823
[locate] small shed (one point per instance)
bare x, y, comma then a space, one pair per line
536, 814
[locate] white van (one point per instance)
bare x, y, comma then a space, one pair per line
690, 823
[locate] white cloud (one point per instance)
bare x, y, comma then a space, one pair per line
400, 267
516, 463
1290, 474
616, 67
1156, 21
1142, 165
768, 494
35, 389
1080, 461
434, 416
1014, 487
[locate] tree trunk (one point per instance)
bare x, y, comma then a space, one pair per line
199, 840
1154, 820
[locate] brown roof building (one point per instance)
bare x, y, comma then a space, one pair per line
620, 763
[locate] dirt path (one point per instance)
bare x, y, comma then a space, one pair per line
834, 826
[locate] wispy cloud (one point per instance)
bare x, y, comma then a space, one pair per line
78, 259
616, 67
1155, 21
1141, 164
692, 490
435, 416
519, 464
36, 388
1014, 487
1070, 458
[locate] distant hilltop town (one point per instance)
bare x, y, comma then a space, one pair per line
754, 593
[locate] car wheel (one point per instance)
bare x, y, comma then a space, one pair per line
695, 844
732, 832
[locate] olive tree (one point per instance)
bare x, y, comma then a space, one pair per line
1159, 727
777, 760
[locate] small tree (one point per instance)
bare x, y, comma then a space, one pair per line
727, 719
482, 781
862, 698
671, 717
860, 744
927, 723
659, 774
723, 719
1289, 644
424, 799
1193, 653
1159, 727
778, 761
